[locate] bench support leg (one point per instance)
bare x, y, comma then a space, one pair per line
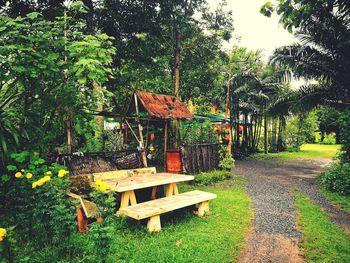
203, 209
82, 221
153, 224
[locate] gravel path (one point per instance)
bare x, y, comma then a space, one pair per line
275, 236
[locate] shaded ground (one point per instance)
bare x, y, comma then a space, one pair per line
275, 235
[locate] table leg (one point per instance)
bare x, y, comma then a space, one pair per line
128, 197
154, 193
171, 189
132, 198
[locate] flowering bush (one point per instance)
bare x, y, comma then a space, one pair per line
2, 233
35, 200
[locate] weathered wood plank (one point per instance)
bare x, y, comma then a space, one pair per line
89, 208
166, 204
145, 181
123, 173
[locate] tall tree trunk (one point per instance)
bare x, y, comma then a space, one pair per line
237, 143
177, 50
274, 135
265, 134
99, 107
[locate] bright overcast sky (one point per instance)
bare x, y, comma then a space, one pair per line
255, 30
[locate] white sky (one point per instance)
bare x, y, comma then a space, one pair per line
254, 29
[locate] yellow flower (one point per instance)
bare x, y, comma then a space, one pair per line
48, 173
41, 181
18, 175
103, 187
46, 178
98, 182
62, 173
34, 184
2, 233
29, 175
100, 185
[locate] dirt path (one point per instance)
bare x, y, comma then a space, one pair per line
275, 236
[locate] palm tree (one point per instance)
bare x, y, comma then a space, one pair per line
322, 55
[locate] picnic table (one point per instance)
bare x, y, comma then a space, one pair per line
126, 182
127, 186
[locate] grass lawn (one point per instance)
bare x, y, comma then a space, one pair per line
307, 151
322, 240
342, 200
218, 237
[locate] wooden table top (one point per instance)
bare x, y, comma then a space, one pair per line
145, 180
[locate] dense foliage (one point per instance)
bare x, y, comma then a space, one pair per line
322, 52
34, 202
51, 67
337, 179
212, 177
344, 122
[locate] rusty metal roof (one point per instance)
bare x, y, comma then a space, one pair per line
163, 106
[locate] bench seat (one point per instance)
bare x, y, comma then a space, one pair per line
152, 209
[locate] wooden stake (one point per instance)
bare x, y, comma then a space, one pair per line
141, 143
69, 135
121, 133
165, 144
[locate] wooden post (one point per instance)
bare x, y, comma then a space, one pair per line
121, 133
69, 135
165, 143
265, 134
141, 143
227, 110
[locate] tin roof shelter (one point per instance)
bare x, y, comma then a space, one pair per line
145, 106
158, 106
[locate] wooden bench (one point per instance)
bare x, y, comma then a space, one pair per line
153, 209
87, 209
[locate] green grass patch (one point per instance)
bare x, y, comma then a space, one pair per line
212, 177
218, 237
322, 240
307, 151
341, 200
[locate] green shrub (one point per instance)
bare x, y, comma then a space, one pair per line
111, 140
102, 233
300, 129
337, 178
35, 201
329, 139
226, 160
344, 122
197, 132
212, 177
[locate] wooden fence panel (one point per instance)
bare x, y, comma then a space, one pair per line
199, 158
